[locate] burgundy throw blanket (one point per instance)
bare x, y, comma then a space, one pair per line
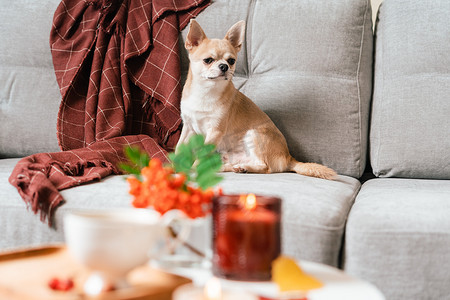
118, 68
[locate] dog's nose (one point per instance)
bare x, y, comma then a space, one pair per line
223, 67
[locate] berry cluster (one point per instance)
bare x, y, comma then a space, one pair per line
163, 189
61, 284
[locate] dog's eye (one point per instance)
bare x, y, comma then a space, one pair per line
231, 61
208, 60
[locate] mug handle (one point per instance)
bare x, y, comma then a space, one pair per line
168, 219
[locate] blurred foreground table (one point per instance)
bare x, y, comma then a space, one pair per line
25, 275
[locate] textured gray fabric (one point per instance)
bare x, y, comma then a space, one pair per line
29, 94
410, 133
311, 72
21, 228
398, 237
314, 210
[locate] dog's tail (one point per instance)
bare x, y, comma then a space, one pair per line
311, 169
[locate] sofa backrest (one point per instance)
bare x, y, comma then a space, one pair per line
29, 95
410, 133
308, 65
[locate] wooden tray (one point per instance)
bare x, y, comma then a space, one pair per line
25, 275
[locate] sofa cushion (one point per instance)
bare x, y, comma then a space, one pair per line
29, 95
398, 237
410, 133
21, 228
314, 210
308, 65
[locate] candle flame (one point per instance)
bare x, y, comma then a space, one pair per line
250, 202
213, 290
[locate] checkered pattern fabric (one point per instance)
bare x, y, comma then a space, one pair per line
118, 68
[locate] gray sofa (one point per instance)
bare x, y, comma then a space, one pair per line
373, 106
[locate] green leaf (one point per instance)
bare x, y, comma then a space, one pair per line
205, 182
129, 169
206, 150
212, 162
172, 156
196, 141
183, 149
133, 154
198, 161
137, 160
183, 160
144, 160
184, 164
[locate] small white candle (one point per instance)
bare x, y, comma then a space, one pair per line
211, 291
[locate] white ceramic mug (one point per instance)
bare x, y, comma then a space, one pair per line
113, 242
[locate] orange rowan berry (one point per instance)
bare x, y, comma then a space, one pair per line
135, 185
195, 198
140, 202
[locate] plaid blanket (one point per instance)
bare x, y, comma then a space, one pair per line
117, 66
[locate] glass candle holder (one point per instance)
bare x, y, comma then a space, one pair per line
246, 236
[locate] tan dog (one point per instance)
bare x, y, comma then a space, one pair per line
245, 136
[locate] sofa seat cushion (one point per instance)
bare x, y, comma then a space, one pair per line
21, 228
314, 210
398, 237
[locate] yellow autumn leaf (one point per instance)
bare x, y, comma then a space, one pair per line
290, 277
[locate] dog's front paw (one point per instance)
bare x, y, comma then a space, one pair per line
239, 169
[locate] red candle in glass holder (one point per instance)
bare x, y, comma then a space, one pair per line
246, 236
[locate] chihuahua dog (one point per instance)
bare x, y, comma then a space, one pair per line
210, 105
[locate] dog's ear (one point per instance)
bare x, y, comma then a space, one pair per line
195, 35
236, 35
